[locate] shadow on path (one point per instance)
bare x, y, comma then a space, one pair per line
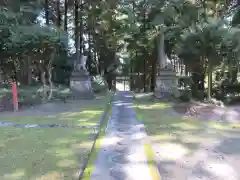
122, 153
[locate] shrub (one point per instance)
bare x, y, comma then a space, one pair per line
200, 95
185, 95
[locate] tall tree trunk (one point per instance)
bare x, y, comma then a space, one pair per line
209, 81
230, 70
145, 53
43, 80
29, 72
58, 14
198, 77
65, 15
76, 21
154, 66
161, 52
47, 12
90, 55
49, 71
131, 61
76, 24
186, 70
81, 47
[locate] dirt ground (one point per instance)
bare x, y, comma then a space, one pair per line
209, 153
209, 111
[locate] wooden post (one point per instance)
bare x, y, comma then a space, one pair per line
15, 95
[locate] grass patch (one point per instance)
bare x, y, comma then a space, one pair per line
48, 153
176, 136
159, 121
42, 153
80, 113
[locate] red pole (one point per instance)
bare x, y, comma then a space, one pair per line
15, 96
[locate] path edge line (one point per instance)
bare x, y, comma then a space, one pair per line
92, 156
151, 158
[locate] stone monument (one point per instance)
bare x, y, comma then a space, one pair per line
80, 82
166, 80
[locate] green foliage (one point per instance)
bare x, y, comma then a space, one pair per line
236, 18
185, 95
203, 43
195, 33
22, 37
36, 37
200, 95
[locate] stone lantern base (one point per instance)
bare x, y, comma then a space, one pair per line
80, 84
166, 84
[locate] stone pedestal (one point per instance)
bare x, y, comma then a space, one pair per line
80, 84
166, 84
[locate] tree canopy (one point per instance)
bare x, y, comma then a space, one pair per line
199, 36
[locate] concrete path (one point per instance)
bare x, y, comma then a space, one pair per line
122, 155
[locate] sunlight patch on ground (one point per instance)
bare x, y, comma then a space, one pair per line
154, 106
166, 136
143, 95
64, 141
67, 163
190, 138
17, 174
61, 152
91, 112
186, 126
138, 135
221, 170
110, 141
171, 151
117, 102
218, 126
224, 129
218, 110
69, 114
83, 145
51, 175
